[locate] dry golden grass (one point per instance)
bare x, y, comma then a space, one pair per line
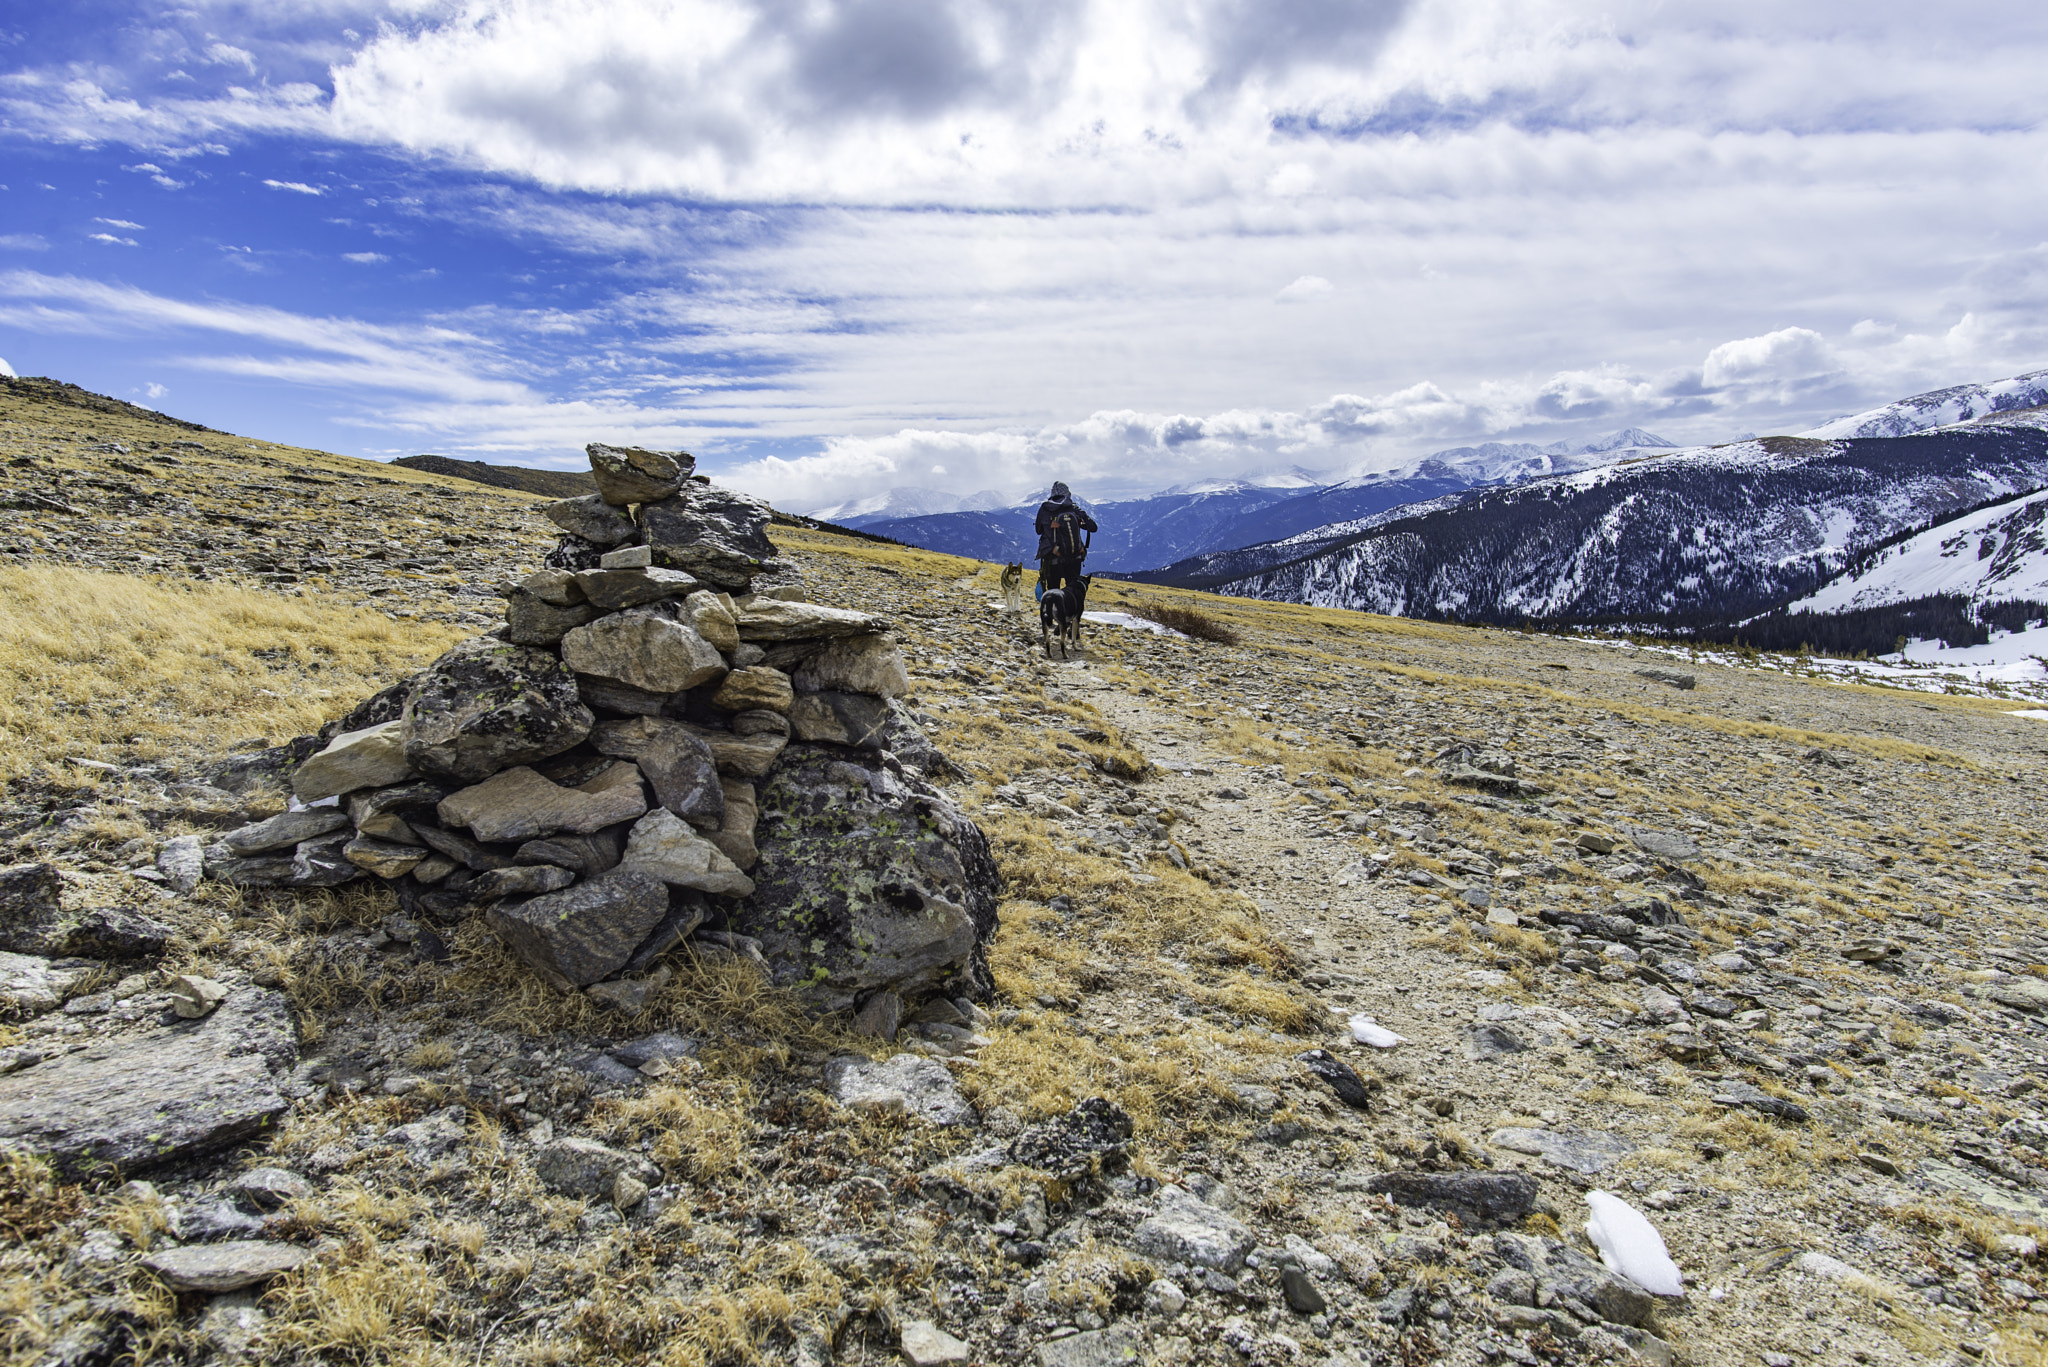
32, 1200
110, 665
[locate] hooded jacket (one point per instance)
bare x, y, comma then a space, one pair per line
1060, 501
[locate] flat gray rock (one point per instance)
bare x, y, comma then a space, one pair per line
583, 933
1481, 1198
1186, 1229
215, 1268
153, 1098
917, 1086
1112, 1347
1582, 1151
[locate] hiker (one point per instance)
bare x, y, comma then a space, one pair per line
1062, 545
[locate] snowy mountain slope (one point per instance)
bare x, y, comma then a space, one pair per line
1209, 515
1717, 531
1939, 407
1994, 553
902, 501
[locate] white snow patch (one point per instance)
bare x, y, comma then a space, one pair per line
1130, 623
1630, 1245
2038, 714
1366, 1030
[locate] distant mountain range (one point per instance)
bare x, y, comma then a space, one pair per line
553, 483
1682, 538
1194, 519
1940, 407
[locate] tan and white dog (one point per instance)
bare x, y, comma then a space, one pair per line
1013, 587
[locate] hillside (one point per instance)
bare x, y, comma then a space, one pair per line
552, 483
1706, 534
1758, 954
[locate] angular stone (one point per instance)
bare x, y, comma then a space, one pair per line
758, 688
906, 1083
1091, 1139
716, 534
626, 558
435, 867
267, 870
687, 910
1563, 1271
856, 664
1186, 1229
715, 618
615, 590
632, 474
1490, 1040
748, 756
556, 588
31, 985
1582, 1151
777, 619
867, 879
30, 909
182, 862
1117, 1346
193, 996
924, 1344
586, 1168
157, 1097
322, 862
606, 695
117, 933
586, 932
373, 757
269, 1188
487, 705
735, 837
676, 761
531, 622
1675, 678
584, 855
463, 850
1735, 1092
879, 1017
628, 996
382, 857
529, 880
644, 648
759, 723
383, 812
230, 1266
519, 805
855, 719
591, 519
1477, 1198
664, 845
284, 831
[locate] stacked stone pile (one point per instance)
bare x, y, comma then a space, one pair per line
664, 739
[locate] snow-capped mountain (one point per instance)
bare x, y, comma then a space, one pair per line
1705, 532
1208, 515
1939, 408
903, 501
1992, 554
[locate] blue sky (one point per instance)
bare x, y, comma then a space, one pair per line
842, 245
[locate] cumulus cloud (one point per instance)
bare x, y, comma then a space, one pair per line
1304, 287
6, 369
1787, 356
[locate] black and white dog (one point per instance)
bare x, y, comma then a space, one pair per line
1059, 618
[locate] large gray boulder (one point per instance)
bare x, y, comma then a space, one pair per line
857, 719
645, 648
583, 933
867, 879
716, 534
615, 590
664, 845
675, 760
856, 664
530, 621
487, 705
633, 474
591, 519
144, 1100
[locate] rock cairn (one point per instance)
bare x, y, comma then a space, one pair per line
666, 739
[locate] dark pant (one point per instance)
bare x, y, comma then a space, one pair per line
1057, 574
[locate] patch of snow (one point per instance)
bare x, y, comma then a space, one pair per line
1130, 623
1366, 1030
1630, 1245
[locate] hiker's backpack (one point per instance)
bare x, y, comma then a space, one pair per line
1064, 537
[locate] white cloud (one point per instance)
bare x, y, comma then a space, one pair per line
24, 242
1786, 356
1304, 287
6, 369
111, 240
227, 54
365, 258
296, 186
154, 391
119, 223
